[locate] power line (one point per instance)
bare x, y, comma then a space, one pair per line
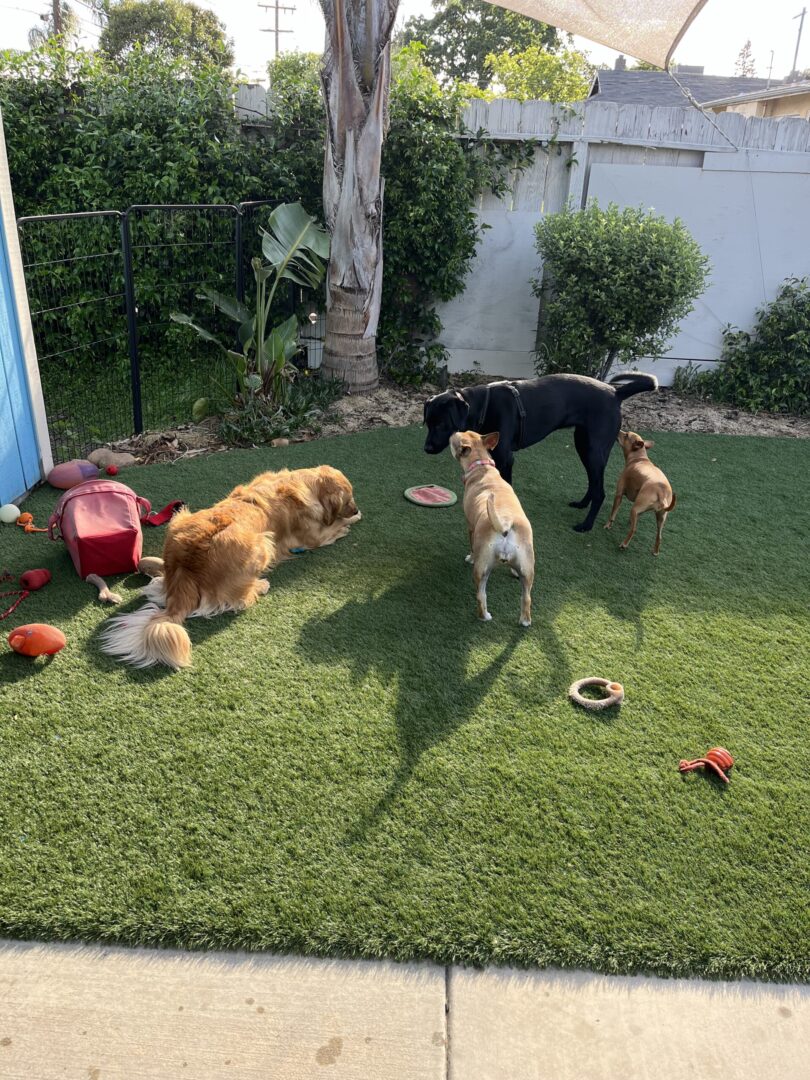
275, 7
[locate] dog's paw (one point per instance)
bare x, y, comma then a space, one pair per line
622, 547
263, 587
468, 558
583, 527
486, 617
608, 524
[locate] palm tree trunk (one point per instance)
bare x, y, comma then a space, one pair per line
356, 76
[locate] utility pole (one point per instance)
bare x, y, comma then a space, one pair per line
770, 72
800, 17
276, 7
58, 26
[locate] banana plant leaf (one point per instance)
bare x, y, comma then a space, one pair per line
295, 245
281, 343
229, 305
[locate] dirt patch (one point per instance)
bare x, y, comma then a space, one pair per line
668, 411
393, 406
396, 406
389, 406
170, 445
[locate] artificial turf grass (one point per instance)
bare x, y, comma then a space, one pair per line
358, 766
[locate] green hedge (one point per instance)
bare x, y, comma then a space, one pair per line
86, 134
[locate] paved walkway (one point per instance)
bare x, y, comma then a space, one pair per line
96, 1013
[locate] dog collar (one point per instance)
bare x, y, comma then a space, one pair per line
475, 464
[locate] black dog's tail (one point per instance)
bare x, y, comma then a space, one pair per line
632, 382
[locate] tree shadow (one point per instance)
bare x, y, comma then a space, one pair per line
382, 634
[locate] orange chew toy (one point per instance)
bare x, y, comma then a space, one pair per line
37, 639
718, 759
26, 523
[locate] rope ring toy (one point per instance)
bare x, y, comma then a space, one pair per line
615, 695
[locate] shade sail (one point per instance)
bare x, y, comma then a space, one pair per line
646, 29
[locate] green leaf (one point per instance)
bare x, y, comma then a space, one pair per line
206, 335
295, 245
232, 307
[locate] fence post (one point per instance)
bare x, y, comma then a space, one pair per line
240, 258
132, 325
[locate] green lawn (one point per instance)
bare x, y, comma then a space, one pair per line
358, 766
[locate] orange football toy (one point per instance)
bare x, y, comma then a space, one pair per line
36, 639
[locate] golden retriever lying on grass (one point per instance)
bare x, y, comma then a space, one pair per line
213, 559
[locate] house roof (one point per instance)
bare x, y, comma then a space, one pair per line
787, 90
657, 88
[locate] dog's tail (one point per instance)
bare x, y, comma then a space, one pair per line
497, 523
632, 382
672, 504
153, 635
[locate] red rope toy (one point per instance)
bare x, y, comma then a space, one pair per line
718, 759
30, 581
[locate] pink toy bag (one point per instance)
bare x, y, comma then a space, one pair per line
100, 523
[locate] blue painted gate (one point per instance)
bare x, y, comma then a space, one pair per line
19, 454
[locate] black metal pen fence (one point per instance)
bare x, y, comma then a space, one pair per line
101, 288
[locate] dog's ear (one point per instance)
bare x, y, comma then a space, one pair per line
491, 441
638, 444
459, 411
331, 498
649, 444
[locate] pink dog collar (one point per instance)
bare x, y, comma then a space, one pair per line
481, 461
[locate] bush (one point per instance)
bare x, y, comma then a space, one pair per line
770, 367
259, 420
87, 133
618, 282
84, 133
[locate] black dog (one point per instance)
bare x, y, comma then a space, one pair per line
526, 410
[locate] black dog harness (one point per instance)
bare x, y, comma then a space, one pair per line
518, 401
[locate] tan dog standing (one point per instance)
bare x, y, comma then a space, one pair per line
644, 485
499, 530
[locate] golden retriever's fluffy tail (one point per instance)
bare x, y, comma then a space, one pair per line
496, 522
152, 635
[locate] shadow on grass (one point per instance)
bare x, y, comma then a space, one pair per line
15, 668
434, 694
199, 629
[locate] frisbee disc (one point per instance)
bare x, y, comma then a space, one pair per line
430, 495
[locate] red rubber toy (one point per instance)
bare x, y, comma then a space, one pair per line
718, 759
111, 470
37, 639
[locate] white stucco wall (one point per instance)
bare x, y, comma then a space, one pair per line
493, 324
749, 211
749, 214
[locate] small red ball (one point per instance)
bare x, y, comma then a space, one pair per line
111, 470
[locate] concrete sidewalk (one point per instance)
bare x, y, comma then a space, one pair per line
97, 1013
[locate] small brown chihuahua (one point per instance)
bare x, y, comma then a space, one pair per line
644, 485
499, 530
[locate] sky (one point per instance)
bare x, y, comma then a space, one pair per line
714, 39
